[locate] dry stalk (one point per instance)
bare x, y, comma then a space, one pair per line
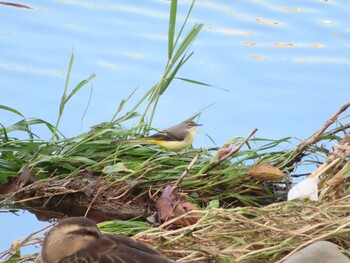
189, 167
314, 138
93, 200
232, 151
298, 152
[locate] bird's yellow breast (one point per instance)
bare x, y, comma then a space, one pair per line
175, 145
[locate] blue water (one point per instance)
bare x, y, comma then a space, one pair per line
286, 64
18, 226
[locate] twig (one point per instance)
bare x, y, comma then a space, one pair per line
329, 163
93, 200
119, 196
328, 123
337, 175
298, 154
299, 175
314, 138
195, 158
338, 129
64, 192
232, 152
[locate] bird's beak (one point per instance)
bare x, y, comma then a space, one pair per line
197, 124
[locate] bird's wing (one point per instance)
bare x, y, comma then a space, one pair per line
167, 135
117, 249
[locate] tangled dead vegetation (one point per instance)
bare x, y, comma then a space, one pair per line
250, 234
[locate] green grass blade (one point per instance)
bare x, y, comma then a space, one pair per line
122, 104
64, 96
184, 23
172, 23
24, 125
11, 110
79, 86
191, 36
200, 83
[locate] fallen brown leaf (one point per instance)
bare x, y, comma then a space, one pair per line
265, 171
172, 204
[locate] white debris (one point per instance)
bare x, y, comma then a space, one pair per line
305, 189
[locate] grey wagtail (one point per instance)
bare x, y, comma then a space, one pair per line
175, 138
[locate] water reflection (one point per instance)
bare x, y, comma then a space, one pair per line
17, 224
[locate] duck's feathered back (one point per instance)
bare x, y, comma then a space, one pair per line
78, 239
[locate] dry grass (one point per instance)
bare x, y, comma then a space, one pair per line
250, 234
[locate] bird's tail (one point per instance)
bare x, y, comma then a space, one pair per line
146, 140
133, 140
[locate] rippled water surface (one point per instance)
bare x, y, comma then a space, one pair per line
285, 63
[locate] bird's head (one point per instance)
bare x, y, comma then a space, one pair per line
67, 237
190, 125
